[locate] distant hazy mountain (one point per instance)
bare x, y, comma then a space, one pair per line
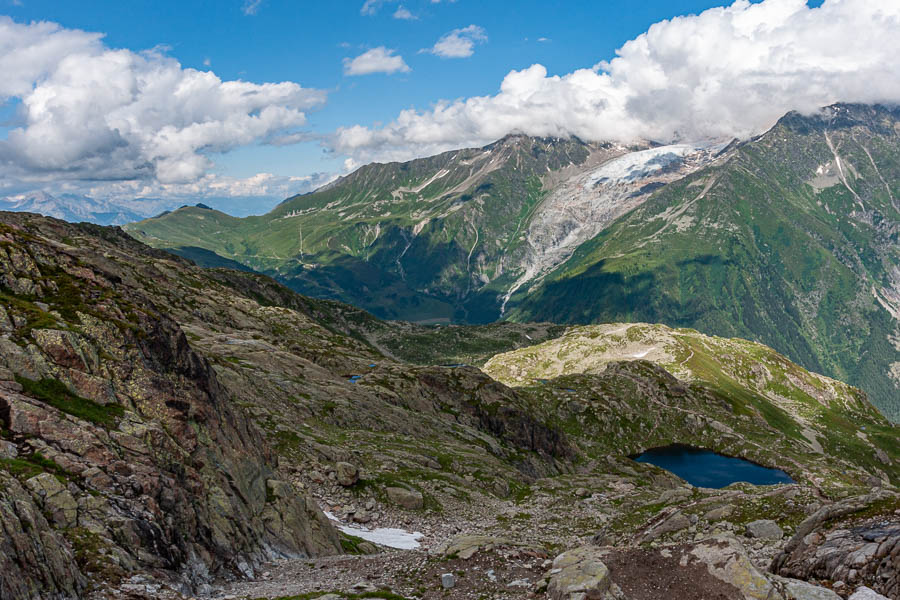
75, 208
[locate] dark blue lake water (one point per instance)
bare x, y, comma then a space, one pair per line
704, 468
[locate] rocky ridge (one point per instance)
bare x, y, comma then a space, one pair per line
122, 435
445, 238
788, 239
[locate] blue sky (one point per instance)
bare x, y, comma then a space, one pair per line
678, 70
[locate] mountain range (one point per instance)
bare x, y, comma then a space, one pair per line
789, 239
171, 431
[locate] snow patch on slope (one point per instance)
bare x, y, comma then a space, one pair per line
639, 165
383, 536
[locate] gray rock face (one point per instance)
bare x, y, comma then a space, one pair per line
410, 499
36, 560
5, 324
55, 499
858, 553
347, 474
764, 529
580, 574
158, 468
8, 449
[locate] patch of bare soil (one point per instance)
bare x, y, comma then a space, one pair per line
650, 575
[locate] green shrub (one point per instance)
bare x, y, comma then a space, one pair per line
26, 467
56, 394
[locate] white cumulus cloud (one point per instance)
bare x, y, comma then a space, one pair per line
371, 7
403, 14
88, 112
459, 43
727, 72
211, 185
251, 7
376, 60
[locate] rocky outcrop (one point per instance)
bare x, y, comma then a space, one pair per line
864, 593
727, 560
715, 567
125, 450
840, 543
670, 524
35, 559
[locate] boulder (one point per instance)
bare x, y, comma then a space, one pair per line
8, 449
5, 324
347, 474
580, 574
678, 493
794, 589
367, 548
864, 593
36, 561
410, 499
448, 580
764, 529
676, 522
727, 560
466, 546
362, 516
719, 513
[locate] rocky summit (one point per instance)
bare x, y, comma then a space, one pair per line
174, 431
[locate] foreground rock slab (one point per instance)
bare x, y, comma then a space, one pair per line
580, 574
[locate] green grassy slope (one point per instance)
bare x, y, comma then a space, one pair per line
780, 244
422, 240
594, 375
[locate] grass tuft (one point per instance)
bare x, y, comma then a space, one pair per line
56, 394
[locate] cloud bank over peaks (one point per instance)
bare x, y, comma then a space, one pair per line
88, 112
727, 72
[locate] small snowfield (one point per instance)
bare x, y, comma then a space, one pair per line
383, 536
